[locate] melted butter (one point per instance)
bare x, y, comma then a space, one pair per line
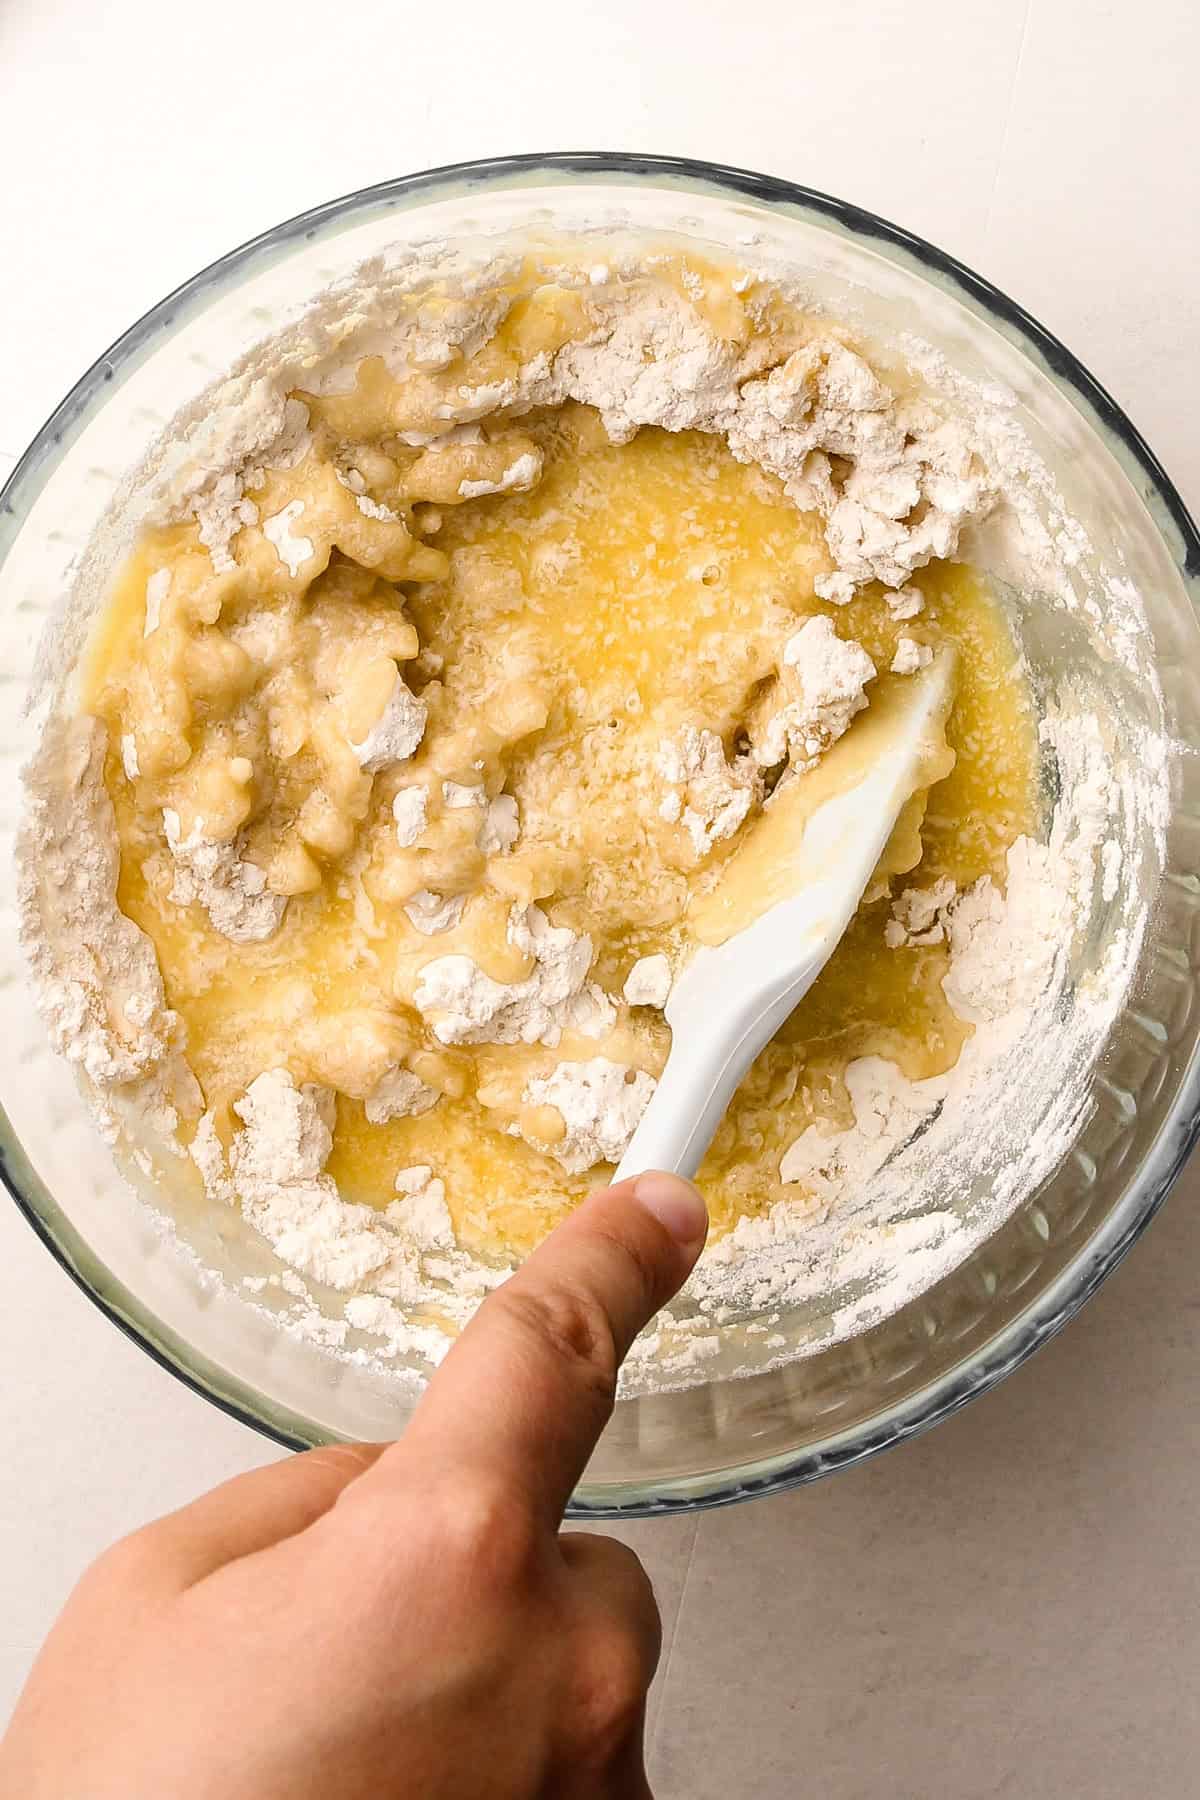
503, 1195
647, 574
637, 586
770, 861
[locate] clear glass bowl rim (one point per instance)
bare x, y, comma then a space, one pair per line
1180, 1132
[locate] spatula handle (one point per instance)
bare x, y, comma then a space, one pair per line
702, 1072
684, 1112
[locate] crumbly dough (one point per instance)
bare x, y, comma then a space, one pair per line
427, 731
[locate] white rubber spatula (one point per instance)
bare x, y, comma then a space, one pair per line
817, 845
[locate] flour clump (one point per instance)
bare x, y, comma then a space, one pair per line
599, 1103
823, 679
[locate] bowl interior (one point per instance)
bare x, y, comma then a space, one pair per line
161, 1278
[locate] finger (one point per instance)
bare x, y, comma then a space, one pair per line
610, 1583
530, 1385
618, 1639
627, 1776
254, 1511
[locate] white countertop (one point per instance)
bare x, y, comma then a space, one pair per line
1010, 1606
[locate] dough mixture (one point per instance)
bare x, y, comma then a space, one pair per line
411, 741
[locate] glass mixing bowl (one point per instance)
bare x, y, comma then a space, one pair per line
730, 1438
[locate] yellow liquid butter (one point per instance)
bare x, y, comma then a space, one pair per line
556, 637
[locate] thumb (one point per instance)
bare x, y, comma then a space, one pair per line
530, 1385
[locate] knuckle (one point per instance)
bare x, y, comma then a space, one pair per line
575, 1327
625, 1572
484, 1530
461, 1530
610, 1688
124, 1567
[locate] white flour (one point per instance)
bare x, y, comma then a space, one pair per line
827, 676
918, 915
398, 1094
396, 733
434, 913
518, 478
648, 983
421, 1208
708, 795
410, 810
399, 1259
292, 549
600, 1104
232, 892
906, 602
500, 827
927, 1169
101, 990
910, 656
463, 1005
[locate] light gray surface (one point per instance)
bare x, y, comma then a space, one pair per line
1010, 1606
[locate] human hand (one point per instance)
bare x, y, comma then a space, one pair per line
391, 1621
